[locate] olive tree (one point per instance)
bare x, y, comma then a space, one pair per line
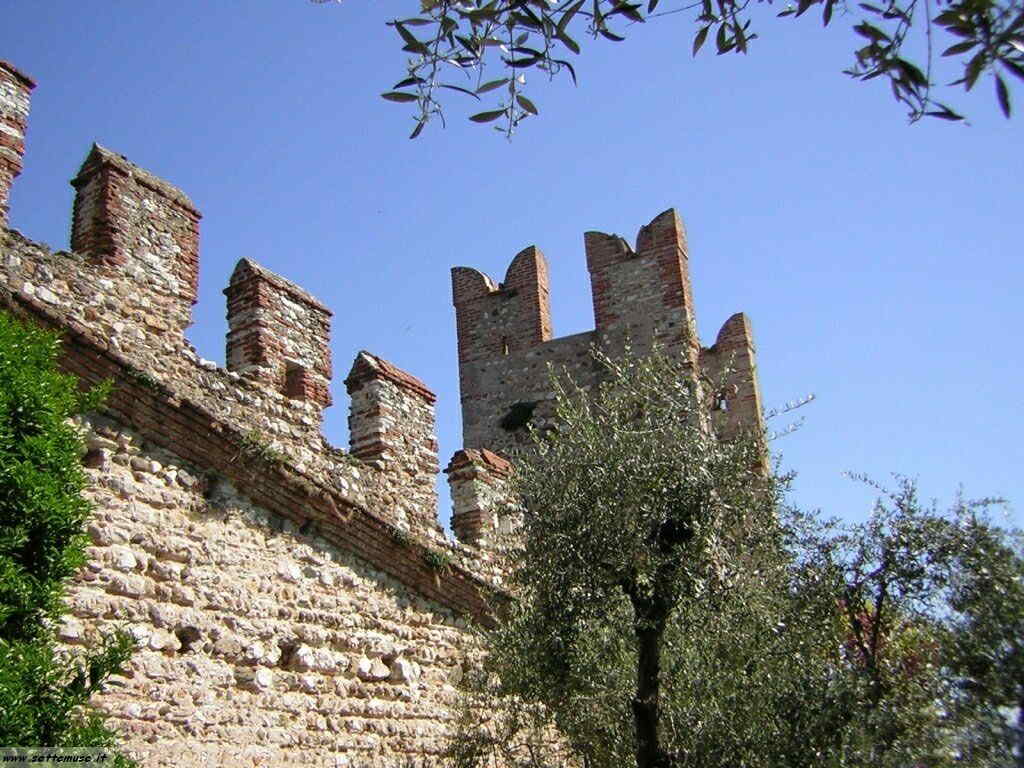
641, 530
666, 609
480, 48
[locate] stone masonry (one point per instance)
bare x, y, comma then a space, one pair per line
15, 93
278, 334
641, 297
296, 603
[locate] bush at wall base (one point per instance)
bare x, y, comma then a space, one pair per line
44, 691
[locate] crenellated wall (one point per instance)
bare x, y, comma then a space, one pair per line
641, 297
296, 604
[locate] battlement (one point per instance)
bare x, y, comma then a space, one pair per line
126, 289
641, 296
262, 570
278, 334
15, 97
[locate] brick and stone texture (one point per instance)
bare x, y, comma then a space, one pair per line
15, 94
132, 226
641, 298
278, 334
483, 509
261, 642
391, 428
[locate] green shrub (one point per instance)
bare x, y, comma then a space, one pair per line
44, 693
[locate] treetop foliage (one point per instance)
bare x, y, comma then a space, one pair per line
484, 48
670, 610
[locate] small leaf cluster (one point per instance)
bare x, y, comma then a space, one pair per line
43, 693
986, 36
483, 47
257, 447
437, 560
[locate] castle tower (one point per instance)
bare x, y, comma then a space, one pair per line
642, 297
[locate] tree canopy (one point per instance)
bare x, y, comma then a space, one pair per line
483, 48
669, 610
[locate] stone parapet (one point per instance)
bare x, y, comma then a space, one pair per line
136, 228
278, 334
391, 427
481, 498
15, 99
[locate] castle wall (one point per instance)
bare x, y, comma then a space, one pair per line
260, 641
492, 388
296, 604
137, 303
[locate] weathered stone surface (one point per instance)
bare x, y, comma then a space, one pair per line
371, 670
404, 671
641, 297
279, 589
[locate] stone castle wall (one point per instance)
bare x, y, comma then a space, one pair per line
297, 603
261, 642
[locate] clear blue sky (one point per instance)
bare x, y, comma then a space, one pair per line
880, 262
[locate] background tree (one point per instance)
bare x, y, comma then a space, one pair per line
43, 692
988, 649
899, 582
668, 610
476, 47
641, 530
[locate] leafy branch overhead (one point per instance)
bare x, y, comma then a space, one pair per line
483, 49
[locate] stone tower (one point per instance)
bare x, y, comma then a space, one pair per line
642, 296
